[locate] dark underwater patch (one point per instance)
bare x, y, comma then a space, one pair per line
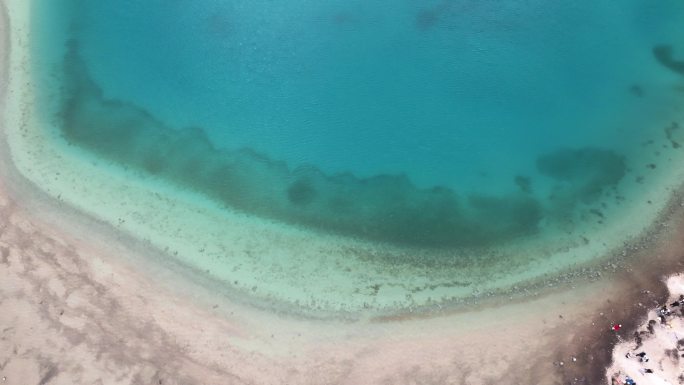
524, 183
430, 17
386, 208
584, 173
670, 134
301, 192
665, 56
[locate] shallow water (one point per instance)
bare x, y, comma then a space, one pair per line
448, 128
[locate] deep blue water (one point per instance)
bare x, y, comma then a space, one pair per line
437, 123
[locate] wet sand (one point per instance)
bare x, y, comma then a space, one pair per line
80, 307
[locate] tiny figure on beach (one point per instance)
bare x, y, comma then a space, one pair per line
616, 327
645, 371
638, 340
664, 311
615, 379
679, 302
629, 381
642, 356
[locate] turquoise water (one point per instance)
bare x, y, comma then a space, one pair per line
450, 123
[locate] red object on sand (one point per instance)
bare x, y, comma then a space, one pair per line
617, 327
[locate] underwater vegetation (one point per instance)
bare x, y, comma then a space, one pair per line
665, 55
586, 171
386, 208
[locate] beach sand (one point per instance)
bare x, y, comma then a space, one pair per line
79, 306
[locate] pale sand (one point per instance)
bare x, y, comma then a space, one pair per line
73, 311
664, 347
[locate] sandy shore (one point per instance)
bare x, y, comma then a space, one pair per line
75, 308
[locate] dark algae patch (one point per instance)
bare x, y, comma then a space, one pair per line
387, 208
669, 133
666, 56
585, 172
301, 192
524, 183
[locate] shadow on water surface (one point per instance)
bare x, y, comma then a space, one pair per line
387, 208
